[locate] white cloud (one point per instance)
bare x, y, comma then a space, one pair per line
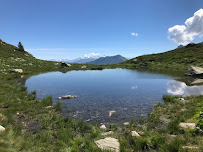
91, 55
180, 88
134, 34
184, 34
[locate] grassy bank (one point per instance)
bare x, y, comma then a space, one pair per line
36, 125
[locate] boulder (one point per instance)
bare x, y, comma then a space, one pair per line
67, 97
187, 125
16, 71
108, 144
1, 128
195, 71
103, 127
135, 134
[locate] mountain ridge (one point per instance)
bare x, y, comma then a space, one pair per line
108, 60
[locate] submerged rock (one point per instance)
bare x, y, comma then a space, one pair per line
67, 97
187, 125
108, 144
111, 113
195, 71
16, 71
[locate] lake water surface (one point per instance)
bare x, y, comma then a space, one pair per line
130, 93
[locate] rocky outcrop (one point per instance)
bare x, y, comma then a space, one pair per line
67, 97
16, 71
65, 65
187, 125
108, 144
195, 71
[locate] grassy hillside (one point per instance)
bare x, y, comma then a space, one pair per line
180, 58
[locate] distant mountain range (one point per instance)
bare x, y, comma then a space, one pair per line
108, 60
76, 60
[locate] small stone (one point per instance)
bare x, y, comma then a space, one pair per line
111, 113
135, 134
108, 144
187, 125
103, 127
67, 97
83, 67
48, 107
107, 133
126, 123
1, 128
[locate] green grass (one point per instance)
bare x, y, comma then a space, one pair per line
176, 60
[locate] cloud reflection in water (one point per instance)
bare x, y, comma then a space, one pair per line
180, 88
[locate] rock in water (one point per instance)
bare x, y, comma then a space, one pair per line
1, 128
187, 125
67, 97
111, 113
195, 71
108, 144
16, 71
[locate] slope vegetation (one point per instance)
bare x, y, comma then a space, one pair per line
180, 58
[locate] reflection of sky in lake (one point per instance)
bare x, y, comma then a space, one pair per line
131, 93
180, 88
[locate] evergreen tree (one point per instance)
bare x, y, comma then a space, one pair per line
20, 47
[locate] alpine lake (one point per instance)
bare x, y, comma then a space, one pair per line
110, 95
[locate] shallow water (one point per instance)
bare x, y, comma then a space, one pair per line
130, 93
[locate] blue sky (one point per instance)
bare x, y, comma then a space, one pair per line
71, 28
